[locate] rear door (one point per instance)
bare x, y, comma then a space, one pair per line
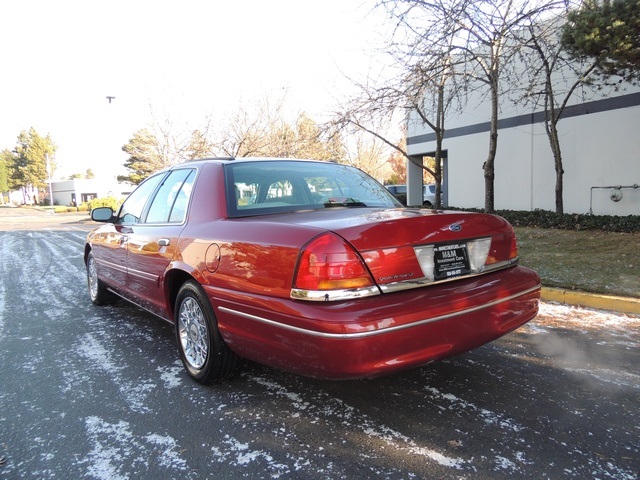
152, 243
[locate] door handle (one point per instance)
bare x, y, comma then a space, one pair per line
164, 242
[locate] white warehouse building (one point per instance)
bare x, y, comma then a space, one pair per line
600, 142
78, 191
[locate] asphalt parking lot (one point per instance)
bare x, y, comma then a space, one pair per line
90, 392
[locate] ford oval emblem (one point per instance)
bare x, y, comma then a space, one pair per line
455, 227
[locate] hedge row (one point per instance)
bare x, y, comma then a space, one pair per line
570, 221
64, 209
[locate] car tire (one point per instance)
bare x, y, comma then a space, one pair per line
203, 352
97, 289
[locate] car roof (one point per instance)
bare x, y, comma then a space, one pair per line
254, 159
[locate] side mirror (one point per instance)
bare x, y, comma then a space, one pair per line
101, 214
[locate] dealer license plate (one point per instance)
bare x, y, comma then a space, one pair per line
451, 261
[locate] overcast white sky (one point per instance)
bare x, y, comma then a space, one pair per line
191, 58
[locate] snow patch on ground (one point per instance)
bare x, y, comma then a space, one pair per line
107, 454
169, 456
115, 449
172, 376
238, 453
331, 406
592, 364
134, 391
2, 303
490, 418
572, 315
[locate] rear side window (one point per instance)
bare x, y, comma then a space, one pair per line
170, 202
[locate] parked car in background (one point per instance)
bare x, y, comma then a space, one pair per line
428, 193
312, 267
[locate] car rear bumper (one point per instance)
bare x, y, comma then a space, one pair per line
378, 335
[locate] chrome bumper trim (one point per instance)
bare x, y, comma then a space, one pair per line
333, 295
370, 333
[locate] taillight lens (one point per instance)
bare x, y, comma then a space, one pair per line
478, 251
513, 251
328, 262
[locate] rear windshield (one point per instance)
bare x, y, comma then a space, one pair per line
264, 187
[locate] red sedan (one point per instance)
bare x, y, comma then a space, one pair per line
312, 267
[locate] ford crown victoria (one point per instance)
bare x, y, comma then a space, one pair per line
312, 267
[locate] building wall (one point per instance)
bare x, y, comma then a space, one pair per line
65, 191
600, 147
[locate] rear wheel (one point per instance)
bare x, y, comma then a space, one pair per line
204, 353
97, 289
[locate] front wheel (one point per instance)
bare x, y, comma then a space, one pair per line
97, 289
203, 352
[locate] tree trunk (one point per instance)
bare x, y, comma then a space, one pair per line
438, 171
439, 138
488, 167
554, 141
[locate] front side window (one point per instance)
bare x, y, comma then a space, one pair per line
170, 203
263, 187
132, 208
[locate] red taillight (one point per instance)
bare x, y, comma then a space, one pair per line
329, 263
513, 251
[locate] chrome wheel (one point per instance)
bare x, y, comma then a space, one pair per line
203, 352
193, 332
92, 278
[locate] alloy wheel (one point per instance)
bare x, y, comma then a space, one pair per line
194, 333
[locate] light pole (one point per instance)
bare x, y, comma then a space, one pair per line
111, 98
46, 156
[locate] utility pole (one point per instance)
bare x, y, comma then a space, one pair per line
115, 168
46, 156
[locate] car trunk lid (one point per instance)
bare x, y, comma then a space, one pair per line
416, 245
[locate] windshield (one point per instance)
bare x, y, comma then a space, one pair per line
263, 187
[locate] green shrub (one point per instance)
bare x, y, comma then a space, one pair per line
111, 202
59, 209
72, 209
568, 221
83, 208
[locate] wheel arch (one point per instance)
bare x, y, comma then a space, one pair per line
87, 250
174, 279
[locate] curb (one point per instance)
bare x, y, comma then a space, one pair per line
591, 300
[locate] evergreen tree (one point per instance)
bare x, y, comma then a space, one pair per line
608, 31
145, 157
6, 159
29, 171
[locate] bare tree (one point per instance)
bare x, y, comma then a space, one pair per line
375, 108
553, 79
478, 37
264, 131
369, 154
161, 145
247, 132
